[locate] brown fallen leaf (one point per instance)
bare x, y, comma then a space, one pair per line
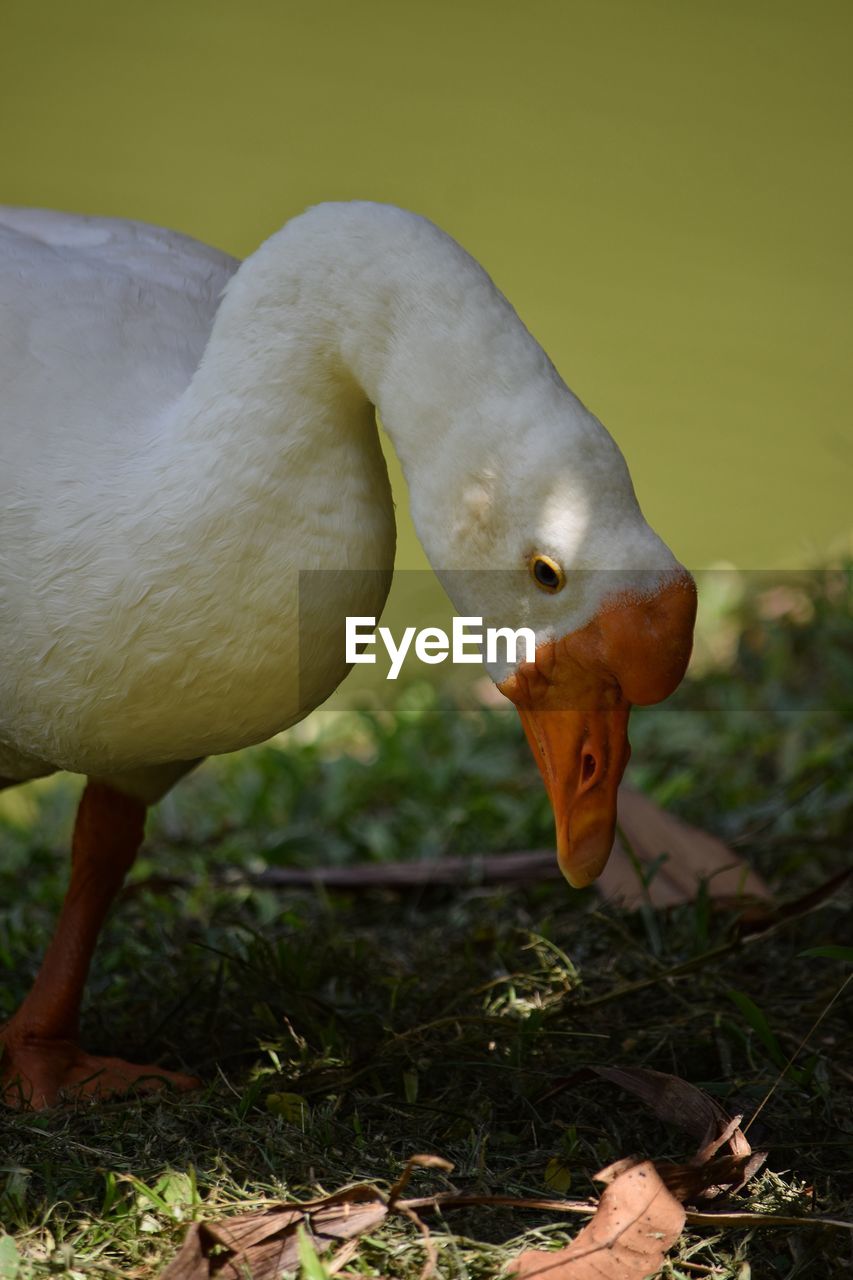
731, 1134
265, 1243
690, 856
637, 1221
675, 1101
689, 1182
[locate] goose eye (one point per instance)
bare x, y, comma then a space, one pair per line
547, 573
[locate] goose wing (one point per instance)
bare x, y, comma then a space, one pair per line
102, 324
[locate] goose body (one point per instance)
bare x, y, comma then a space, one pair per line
193, 499
150, 571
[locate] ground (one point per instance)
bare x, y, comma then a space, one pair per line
452, 1021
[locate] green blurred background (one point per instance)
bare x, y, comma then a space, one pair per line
662, 187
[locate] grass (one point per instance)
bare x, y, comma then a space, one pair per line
443, 1021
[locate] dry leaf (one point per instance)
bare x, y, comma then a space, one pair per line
636, 1222
691, 856
704, 1182
673, 1100
676, 1101
731, 1134
265, 1243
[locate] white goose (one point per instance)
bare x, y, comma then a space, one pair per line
173, 456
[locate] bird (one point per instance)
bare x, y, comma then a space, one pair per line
193, 499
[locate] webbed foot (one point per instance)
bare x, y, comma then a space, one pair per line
36, 1073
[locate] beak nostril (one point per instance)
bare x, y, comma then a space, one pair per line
589, 768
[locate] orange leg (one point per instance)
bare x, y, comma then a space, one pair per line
41, 1062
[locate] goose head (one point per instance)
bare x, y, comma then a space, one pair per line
611, 608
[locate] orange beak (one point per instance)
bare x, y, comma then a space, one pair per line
574, 701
